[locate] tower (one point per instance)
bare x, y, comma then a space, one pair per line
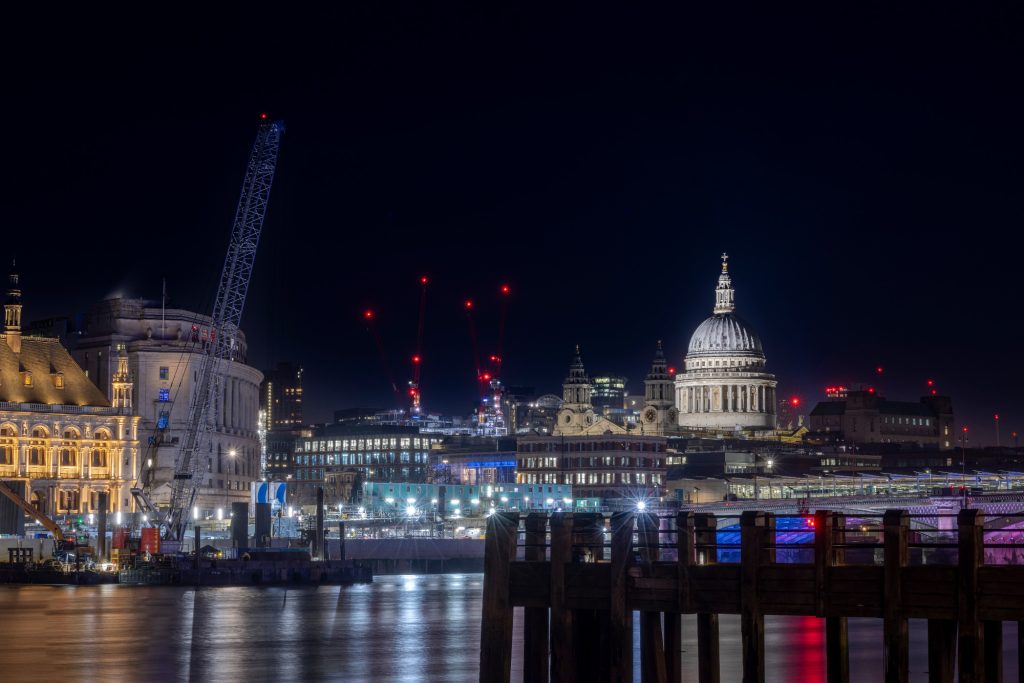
121, 386
12, 312
576, 413
659, 413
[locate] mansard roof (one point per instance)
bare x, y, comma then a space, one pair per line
43, 358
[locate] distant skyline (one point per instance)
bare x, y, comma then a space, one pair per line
860, 166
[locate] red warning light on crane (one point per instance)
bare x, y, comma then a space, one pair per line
423, 280
879, 370
931, 382
996, 417
505, 289
468, 304
368, 314
263, 116
415, 359
871, 390
486, 377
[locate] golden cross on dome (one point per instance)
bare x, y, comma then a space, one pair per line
725, 262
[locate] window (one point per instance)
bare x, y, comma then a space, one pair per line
36, 455
58, 380
164, 395
67, 457
6, 455
165, 373
99, 457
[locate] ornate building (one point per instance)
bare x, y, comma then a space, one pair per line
577, 415
62, 441
725, 386
659, 415
164, 351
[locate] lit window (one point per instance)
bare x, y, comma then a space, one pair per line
164, 395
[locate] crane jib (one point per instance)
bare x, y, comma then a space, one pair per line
219, 351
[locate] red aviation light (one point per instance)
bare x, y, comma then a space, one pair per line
263, 116
486, 377
412, 392
505, 289
794, 401
671, 371
934, 392
424, 280
871, 390
368, 314
931, 382
416, 359
964, 430
468, 304
879, 370
996, 417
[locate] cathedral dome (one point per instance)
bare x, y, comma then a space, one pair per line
724, 334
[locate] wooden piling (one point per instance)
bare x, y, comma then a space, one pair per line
496, 616
652, 650
757, 533
535, 623
941, 650
993, 651
971, 631
708, 656
621, 626
896, 634
563, 663
828, 532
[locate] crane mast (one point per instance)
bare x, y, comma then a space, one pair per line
220, 348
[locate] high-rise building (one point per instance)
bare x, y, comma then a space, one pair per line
609, 392
165, 350
281, 397
63, 442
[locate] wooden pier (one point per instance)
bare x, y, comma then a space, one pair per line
581, 577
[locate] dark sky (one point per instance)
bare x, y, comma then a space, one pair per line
862, 168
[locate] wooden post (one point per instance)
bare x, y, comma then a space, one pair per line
706, 546
757, 532
896, 647
496, 616
652, 653
971, 636
993, 651
563, 663
621, 631
590, 626
535, 624
941, 650
828, 530
673, 627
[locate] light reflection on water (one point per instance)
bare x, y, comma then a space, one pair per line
400, 628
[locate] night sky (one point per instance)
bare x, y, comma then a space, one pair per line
862, 169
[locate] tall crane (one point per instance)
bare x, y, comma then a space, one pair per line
221, 347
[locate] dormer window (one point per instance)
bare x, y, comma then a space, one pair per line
26, 378
58, 380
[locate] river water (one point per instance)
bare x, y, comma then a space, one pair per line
400, 628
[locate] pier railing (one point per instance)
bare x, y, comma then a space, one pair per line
581, 577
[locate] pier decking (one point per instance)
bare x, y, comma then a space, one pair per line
581, 577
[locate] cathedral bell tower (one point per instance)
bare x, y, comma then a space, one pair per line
12, 312
659, 413
121, 386
577, 412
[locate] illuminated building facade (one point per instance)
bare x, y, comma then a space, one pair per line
576, 414
281, 397
165, 351
62, 441
609, 392
605, 466
863, 417
725, 386
364, 453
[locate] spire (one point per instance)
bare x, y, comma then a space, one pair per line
122, 387
659, 366
12, 311
724, 294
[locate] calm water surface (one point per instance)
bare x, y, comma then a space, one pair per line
400, 628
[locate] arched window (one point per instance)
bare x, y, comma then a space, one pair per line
68, 457
8, 430
39, 433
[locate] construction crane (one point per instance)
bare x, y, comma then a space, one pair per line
27, 508
219, 350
